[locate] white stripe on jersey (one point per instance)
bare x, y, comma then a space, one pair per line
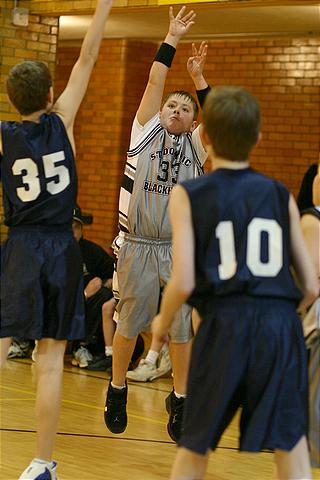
125, 197
149, 138
129, 171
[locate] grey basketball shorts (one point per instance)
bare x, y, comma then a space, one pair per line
143, 268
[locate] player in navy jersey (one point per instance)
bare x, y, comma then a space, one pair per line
235, 232
41, 276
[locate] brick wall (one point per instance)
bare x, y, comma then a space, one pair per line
38, 41
282, 73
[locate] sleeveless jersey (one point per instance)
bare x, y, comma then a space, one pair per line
242, 236
38, 173
156, 161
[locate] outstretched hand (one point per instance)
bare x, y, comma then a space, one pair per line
181, 23
196, 62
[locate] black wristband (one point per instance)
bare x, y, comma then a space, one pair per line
165, 54
202, 95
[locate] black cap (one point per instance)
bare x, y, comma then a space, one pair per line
84, 218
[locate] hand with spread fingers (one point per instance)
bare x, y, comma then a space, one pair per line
181, 23
196, 62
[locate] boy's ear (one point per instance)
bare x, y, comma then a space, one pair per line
193, 126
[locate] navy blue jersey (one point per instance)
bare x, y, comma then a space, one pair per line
38, 173
242, 236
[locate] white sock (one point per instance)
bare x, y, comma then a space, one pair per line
44, 462
108, 351
180, 395
152, 357
117, 386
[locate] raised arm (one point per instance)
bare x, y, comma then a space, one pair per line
151, 101
69, 101
195, 66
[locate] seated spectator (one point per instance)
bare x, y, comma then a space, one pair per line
104, 362
97, 271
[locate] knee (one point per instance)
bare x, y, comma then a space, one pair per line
108, 308
48, 364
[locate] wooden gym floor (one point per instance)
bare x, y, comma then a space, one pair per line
86, 450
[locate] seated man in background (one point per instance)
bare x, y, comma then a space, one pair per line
98, 268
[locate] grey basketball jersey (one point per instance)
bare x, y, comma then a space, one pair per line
158, 161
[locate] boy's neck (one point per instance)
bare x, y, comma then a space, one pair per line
217, 162
33, 117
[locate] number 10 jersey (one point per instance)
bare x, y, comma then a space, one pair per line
242, 233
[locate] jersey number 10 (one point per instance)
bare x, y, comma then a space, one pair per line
257, 226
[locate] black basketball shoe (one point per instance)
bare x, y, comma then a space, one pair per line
115, 412
174, 407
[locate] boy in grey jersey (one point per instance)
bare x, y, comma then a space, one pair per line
165, 149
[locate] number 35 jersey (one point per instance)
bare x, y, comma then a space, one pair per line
38, 173
156, 161
242, 234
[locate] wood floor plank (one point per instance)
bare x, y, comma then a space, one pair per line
86, 450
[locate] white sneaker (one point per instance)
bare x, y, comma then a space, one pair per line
19, 349
40, 470
145, 372
164, 364
82, 357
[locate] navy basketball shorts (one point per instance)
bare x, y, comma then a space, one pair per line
41, 285
248, 354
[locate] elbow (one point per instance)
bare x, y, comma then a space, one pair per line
88, 58
184, 289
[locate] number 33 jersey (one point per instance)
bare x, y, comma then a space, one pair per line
242, 234
156, 161
38, 172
